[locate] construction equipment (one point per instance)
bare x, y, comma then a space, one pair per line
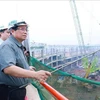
77, 27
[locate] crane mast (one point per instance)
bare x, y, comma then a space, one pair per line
77, 27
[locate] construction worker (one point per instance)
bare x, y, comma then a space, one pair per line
4, 34
15, 74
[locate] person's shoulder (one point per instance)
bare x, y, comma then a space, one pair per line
6, 43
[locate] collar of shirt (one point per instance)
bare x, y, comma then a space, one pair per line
15, 41
1, 41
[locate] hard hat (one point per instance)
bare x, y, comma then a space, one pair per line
16, 23
3, 27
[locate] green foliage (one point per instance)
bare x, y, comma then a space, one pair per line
93, 67
85, 62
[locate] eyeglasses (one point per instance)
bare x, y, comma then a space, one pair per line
22, 29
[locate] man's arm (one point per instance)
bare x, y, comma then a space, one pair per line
23, 73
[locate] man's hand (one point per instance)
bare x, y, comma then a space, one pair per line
42, 75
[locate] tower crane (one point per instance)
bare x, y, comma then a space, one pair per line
77, 27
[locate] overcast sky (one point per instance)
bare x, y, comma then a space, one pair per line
51, 22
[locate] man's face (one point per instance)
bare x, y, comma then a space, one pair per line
21, 33
5, 34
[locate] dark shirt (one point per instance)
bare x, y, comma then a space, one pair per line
11, 53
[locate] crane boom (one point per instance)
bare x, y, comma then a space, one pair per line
77, 27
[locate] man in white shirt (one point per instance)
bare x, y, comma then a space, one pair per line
4, 34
